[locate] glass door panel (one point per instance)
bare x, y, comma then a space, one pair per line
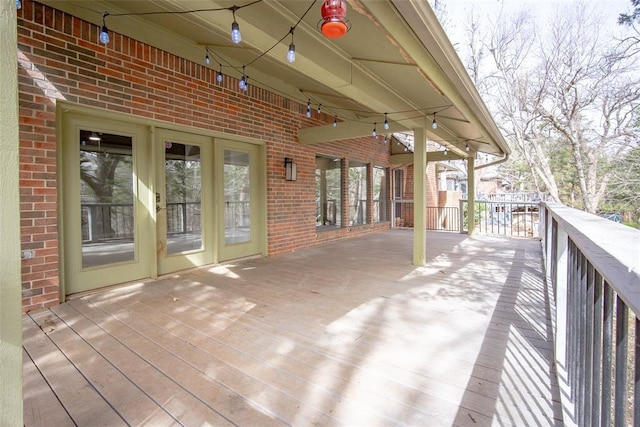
237, 197
183, 189
106, 198
184, 201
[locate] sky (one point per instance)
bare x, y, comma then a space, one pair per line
458, 9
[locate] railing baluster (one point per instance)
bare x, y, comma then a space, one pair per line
607, 356
596, 388
589, 344
636, 388
622, 347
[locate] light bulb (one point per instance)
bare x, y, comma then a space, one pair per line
236, 37
18, 4
219, 77
291, 55
319, 108
104, 31
374, 134
386, 122
466, 147
434, 124
243, 83
207, 60
335, 121
104, 35
446, 151
308, 109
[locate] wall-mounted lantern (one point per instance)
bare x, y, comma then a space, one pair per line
291, 173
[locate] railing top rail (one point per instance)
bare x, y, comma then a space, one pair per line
506, 202
612, 248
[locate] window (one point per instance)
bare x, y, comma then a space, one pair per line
358, 199
398, 182
328, 192
380, 194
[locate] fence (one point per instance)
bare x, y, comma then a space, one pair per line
594, 267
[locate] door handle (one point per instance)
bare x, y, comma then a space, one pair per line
159, 208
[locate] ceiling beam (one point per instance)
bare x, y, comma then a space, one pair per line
344, 130
432, 156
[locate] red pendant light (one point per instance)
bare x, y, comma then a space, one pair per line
334, 22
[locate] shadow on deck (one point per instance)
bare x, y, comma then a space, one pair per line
348, 333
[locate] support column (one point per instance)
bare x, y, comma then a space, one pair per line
10, 288
471, 195
419, 196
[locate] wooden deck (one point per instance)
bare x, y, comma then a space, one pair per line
348, 333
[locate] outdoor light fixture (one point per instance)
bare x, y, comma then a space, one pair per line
104, 31
308, 109
466, 146
335, 121
374, 133
290, 172
334, 23
94, 137
386, 121
434, 124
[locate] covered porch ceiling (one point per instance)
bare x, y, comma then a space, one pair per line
396, 59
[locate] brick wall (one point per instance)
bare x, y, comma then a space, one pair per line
60, 58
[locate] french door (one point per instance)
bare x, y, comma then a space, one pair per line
106, 203
184, 201
137, 204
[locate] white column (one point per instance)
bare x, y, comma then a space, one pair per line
471, 195
419, 196
10, 288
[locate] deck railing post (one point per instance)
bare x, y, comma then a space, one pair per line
560, 286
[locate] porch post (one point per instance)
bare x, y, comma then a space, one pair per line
10, 288
471, 195
419, 196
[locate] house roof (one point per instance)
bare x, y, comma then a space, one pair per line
395, 59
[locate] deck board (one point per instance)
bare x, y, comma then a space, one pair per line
347, 333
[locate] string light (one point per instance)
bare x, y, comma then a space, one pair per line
374, 134
104, 31
446, 151
309, 109
207, 60
219, 75
291, 54
466, 146
243, 81
18, 4
236, 37
386, 121
319, 108
434, 124
335, 121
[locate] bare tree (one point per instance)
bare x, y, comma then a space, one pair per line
566, 87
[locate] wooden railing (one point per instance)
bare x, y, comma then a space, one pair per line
594, 267
515, 219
